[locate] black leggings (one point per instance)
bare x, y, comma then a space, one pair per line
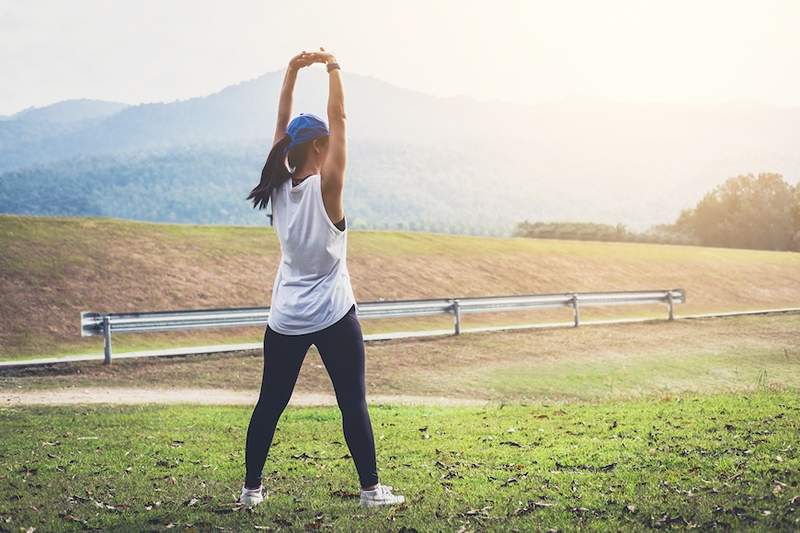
341, 346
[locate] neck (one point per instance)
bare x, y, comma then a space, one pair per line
306, 170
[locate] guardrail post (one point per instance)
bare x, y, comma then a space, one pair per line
456, 317
669, 306
576, 312
106, 340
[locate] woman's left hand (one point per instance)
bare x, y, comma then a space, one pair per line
303, 59
322, 56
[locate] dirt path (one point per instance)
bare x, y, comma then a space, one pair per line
74, 396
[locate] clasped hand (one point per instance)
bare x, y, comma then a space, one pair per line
304, 59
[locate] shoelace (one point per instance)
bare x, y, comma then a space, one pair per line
383, 491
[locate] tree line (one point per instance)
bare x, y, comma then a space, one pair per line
747, 211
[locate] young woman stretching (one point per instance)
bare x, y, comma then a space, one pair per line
312, 299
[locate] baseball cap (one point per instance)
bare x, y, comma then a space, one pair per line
305, 127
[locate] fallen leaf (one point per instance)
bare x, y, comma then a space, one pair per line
530, 506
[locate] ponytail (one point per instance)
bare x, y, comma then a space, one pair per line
274, 173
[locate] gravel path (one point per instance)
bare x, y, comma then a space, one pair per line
77, 396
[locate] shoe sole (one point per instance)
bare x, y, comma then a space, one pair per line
251, 503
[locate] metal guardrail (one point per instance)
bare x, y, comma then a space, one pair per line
106, 324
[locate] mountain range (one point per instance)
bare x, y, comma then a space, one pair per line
415, 161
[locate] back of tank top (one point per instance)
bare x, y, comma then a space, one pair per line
312, 288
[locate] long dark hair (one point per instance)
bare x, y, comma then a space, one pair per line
275, 171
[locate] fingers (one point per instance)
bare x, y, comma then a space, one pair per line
317, 57
307, 58
304, 59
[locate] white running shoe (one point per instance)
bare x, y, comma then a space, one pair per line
251, 497
381, 495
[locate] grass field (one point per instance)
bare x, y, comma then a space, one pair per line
662, 425
57, 267
583, 364
716, 461
689, 424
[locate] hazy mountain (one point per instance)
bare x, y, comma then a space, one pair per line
451, 163
26, 137
69, 111
202, 183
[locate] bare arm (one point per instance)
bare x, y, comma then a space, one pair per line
299, 61
333, 168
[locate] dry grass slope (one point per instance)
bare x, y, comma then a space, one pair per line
57, 267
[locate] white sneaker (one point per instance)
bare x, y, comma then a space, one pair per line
251, 497
381, 495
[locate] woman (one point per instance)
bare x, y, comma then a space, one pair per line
312, 299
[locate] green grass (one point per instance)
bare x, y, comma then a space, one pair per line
610, 362
428, 243
717, 461
661, 372
393, 243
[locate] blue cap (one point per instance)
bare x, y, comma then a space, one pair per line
305, 127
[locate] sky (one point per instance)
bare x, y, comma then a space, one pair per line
700, 51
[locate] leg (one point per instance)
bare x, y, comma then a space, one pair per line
283, 357
341, 347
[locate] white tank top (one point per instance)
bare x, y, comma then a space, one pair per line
312, 287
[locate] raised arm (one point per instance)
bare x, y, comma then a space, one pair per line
299, 61
332, 172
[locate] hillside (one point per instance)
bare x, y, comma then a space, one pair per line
51, 269
69, 111
202, 182
502, 163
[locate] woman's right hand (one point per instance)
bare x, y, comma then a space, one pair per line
323, 57
303, 59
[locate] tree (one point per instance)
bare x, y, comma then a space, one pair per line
746, 212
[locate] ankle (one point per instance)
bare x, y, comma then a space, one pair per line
370, 487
